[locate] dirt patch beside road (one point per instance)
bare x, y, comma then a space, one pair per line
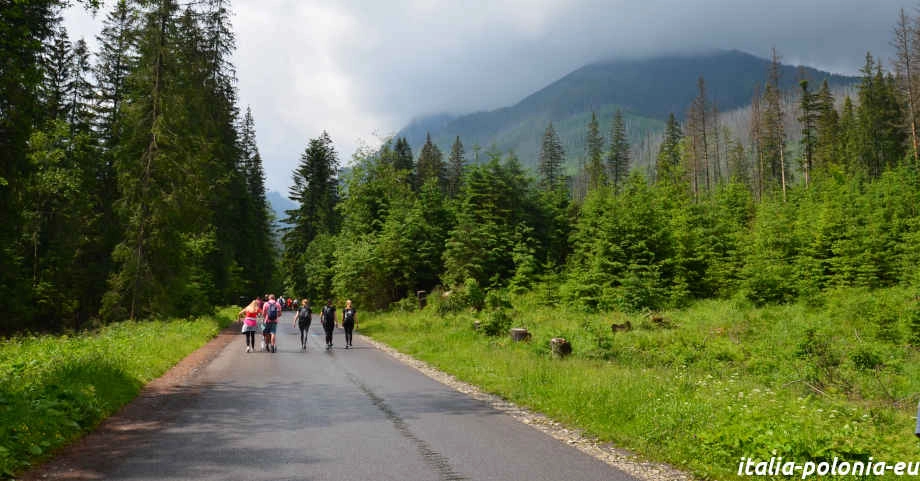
127, 429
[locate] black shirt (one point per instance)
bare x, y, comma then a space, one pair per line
349, 315
329, 314
304, 315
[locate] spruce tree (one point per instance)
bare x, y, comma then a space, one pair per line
58, 63
879, 118
668, 160
551, 158
618, 155
430, 166
455, 166
403, 159
827, 138
80, 90
315, 191
117, 58
773, 142
256, 218
594, 152
808, 118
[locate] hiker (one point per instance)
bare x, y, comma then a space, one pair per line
302, 321
348, 322
271, 312
289, 303
249, 318
328, 320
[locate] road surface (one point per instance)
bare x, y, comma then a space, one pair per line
340, 415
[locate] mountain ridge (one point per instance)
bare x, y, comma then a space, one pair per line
647, 90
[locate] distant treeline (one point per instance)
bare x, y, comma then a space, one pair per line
130, 182
770, 219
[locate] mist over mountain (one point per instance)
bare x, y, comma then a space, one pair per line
646, 90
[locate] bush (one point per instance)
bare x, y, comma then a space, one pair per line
496, 323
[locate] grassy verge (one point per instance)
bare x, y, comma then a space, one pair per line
836, 377
55, 388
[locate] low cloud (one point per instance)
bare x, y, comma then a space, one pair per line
362, 69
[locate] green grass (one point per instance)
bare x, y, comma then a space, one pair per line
55, 388
837, 377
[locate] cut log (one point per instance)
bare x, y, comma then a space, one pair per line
520, 334
627, 326
560, 347
477, 325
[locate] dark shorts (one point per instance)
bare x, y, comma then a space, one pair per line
270, 328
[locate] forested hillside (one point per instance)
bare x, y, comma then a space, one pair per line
646, 91
128, 173
767, 219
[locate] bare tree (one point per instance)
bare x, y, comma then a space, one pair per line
905, 44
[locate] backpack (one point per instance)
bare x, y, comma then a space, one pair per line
272, 311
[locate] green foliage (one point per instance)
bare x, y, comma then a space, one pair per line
795, 380
497, 323
56, 388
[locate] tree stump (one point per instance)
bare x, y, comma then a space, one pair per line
520, 334
477, 325
627, 326
422, 299
560, 347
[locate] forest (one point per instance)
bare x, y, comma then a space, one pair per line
132, 187
778, 217
130, 182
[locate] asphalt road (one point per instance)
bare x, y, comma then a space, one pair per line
341, 415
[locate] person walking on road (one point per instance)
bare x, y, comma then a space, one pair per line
349, 321
271, 312
249, 318
328, 320
302, 320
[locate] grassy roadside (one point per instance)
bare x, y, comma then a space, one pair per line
810, 381
55, 388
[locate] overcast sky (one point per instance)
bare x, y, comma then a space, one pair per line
361, 69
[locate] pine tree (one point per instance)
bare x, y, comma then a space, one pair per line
455, 167
430, 166
594, 152
551, 158
618, 155
668, 160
